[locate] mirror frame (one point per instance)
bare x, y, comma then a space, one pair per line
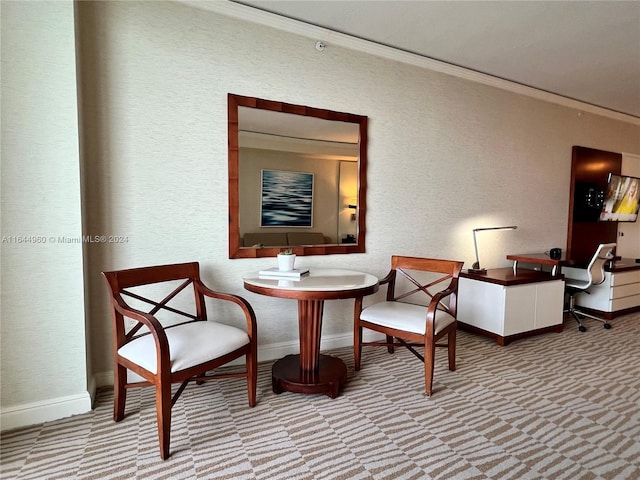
235, 250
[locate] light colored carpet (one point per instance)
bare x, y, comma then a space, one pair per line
556, 406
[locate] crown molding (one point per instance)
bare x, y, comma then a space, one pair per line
242, 12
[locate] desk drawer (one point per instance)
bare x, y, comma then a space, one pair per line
626, 302
625, 290
625, 278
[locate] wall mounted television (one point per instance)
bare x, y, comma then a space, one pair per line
621, 199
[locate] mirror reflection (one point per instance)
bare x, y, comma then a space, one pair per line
296, 179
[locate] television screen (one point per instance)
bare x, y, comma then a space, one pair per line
621, 200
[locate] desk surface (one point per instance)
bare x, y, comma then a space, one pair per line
506, 276
620, 265
538, 258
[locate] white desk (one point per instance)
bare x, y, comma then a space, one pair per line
618, 294
310, 372
506, 306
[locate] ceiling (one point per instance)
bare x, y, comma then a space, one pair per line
583, 50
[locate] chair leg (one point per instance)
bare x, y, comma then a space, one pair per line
607, 325
451, 349
119, 392
572, 311
429, 354
390, 348
357, 333
163, 413
575, 316
252, 375
357, 346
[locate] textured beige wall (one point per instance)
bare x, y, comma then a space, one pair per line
445, 154
43, 353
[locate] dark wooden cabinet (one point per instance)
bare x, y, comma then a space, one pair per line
590, 169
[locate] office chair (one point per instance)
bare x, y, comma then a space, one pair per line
595, 276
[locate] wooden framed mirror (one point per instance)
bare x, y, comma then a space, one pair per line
297, 179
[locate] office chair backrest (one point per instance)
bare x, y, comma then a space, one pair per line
595, 269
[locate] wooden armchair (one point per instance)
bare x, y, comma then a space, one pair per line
179, 347
408, 316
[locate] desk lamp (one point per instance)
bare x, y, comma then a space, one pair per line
475, 268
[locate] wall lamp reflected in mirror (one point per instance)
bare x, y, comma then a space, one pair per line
476, 268
353, 215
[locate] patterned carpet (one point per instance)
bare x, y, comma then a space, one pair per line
557, 406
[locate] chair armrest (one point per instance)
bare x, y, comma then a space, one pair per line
435, 301
238, 300
387, 278
359, 300
152, 323
442, 294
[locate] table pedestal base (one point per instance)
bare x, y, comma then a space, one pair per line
286, 375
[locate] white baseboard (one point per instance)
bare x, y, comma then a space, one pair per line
54, 409
44, 411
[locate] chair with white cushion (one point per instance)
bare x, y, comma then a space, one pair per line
166, 344
420, 308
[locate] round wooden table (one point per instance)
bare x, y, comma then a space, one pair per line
311, 372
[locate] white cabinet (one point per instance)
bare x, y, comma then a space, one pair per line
619, 291
506, 306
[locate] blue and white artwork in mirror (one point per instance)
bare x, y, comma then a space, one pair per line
287, 199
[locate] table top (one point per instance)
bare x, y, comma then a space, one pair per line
539, 258
506, 277
319, 284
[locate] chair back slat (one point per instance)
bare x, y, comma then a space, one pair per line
419, 286
135, 277
448, 271
121, 282
426, 264
162, 304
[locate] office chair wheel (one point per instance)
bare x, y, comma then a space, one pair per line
607, 326
582, 328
